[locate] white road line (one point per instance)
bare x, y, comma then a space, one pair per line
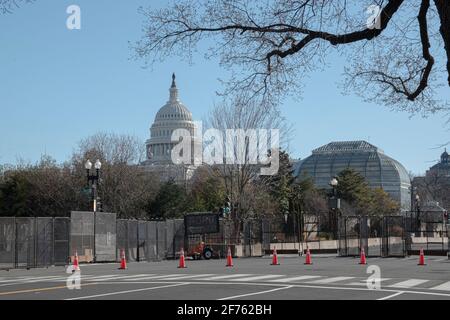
155, 277
33, 280
408, 283
330, 280
21, 279
392, 295
268, 276
255, 293
127, 291
97, 277
121, 277
444, 287
265, 284
292, 279
367, 281
187, 276
230, 276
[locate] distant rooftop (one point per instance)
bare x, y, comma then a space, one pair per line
347, 146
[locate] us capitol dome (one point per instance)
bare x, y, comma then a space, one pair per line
171, 116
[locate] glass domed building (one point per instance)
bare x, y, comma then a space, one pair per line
379, 170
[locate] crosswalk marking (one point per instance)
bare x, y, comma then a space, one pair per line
367, 281
330, 280
186, 276
28, 279
444, 287
408, 283
439, 285
291, 279
269, 276
116, 277
150, 277
230, 276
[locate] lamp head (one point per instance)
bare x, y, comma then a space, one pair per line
334, 182
88, 165
98, 164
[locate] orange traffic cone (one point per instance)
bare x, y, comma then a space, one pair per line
229, 258
362, 259
123, 262
182, 263
76, 264
275, 258
421, 258
308, 256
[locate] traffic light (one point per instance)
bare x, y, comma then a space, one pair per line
227, 208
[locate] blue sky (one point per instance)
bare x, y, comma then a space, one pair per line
58, 86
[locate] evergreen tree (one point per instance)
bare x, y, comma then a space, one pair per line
169, 201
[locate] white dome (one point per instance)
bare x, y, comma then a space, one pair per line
173, 110
172, 116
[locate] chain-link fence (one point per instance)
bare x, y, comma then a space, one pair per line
105, 237
61, 240
29, 242
44, 242
82, 235
25, 243
7, 243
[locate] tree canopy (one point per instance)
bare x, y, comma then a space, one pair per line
397, 51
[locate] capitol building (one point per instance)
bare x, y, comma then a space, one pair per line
171, 116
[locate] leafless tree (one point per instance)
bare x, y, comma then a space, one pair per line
8, 6
244, 115
125, 187
434, 187
398, 57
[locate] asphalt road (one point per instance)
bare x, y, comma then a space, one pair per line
329, 277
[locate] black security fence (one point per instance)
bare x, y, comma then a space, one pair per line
381, 236
427, 230
33, 242
392, 236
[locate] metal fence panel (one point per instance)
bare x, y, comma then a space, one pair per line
61, 243
105, 236
44, 242
142, 241
121, 238
7, 242
179, 236
152, 241
170, 237
353, 236
25, 243
374, 236
161, 239
132, 241
82, 235
342, 237
394, 244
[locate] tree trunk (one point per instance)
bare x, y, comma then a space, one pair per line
443, 8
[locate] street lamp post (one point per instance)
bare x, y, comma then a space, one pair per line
93, 179
418, 222
334, 205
